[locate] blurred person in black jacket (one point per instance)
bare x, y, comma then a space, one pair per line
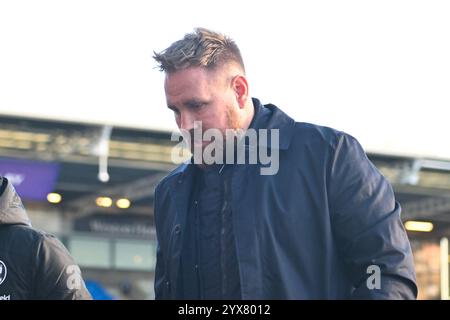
33, 265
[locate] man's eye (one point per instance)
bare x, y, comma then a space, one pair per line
196, 105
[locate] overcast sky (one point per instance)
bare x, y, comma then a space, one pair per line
379, 70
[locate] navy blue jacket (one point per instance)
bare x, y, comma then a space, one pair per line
311, 231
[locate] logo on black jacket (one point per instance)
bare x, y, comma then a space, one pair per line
2, 272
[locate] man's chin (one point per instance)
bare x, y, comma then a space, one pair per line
200, 146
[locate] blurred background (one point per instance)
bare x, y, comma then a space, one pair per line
85, 132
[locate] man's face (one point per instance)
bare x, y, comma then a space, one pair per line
198, 94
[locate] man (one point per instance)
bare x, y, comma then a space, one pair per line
324, 225
33, 265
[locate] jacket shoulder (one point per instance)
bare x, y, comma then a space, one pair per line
309, 133
22, 235
321, 141
33, 239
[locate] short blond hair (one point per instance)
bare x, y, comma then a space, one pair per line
202, 48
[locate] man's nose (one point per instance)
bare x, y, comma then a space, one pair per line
186, 121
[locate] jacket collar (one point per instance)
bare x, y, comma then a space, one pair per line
270, 117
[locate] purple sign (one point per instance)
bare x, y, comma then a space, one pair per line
33, 180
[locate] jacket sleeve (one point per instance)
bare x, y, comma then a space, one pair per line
159, 275
159, 269
367, 227
57, 276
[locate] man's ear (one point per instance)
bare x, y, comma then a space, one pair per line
240, 87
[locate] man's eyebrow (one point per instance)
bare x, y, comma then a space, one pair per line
194, 101
188, 103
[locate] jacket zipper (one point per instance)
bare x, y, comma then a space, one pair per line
197, 251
